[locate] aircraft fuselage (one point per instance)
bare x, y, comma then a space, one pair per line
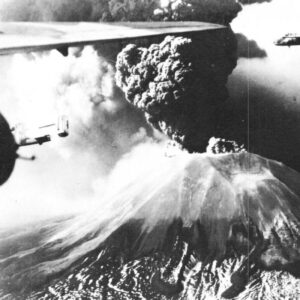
288, 40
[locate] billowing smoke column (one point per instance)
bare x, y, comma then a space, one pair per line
179, 84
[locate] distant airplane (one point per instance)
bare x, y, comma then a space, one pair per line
289, 39
29, 37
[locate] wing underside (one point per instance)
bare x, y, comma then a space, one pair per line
29, 37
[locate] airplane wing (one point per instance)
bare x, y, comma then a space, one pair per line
29, 37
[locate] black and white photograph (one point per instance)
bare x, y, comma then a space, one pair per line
149, 149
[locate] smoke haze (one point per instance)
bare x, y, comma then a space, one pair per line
35, 90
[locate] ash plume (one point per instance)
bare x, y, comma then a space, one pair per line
179, 85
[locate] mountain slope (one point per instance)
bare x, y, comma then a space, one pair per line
174, 228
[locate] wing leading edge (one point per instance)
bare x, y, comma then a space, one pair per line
30, 37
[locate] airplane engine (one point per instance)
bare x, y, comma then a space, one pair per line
8, 148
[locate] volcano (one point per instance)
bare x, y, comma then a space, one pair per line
187, 226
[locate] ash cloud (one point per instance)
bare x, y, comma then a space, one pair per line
249, 48
179, 84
